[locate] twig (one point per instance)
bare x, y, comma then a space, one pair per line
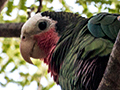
40, 6
111, 78
30, 11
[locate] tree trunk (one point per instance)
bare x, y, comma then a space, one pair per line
111, 78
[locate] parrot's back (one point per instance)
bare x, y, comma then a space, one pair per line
83, 51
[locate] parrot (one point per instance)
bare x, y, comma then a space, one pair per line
75, 48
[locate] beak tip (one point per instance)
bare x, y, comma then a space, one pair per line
25, 53
30, 62
27, 59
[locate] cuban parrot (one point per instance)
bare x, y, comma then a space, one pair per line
76, 49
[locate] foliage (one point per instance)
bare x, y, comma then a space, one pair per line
11, 61
112, 6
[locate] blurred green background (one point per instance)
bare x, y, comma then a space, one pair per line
14, 71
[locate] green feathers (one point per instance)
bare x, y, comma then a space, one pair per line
86, 53
83, 50
99, 47
104, 24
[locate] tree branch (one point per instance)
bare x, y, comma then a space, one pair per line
2, 4
10, 29
111, 78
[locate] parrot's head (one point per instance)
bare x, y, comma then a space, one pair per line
38, 38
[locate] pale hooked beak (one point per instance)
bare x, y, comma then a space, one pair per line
26, 47
29, 48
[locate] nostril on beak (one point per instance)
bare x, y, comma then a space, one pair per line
23, 37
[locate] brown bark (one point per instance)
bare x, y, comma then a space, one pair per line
2, 4
111, 78
10, 29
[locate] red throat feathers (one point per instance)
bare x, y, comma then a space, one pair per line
47, 42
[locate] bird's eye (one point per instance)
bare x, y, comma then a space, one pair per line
42, 25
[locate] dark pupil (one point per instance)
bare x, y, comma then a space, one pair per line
42, 25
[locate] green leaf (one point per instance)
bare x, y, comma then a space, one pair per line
9, 7
22, 5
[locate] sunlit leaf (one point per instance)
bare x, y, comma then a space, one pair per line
22, 5
10, 7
